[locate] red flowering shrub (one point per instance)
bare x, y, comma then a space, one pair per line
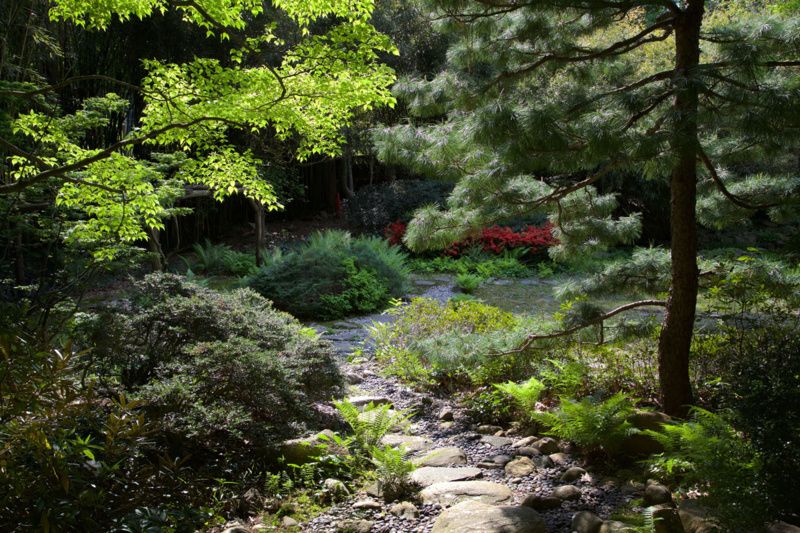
394, 233
495, 239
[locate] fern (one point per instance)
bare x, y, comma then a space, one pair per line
372, 424
598, 427
392, 471
525, 395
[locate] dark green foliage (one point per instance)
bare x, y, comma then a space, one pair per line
488, 405
219, 259
468, 282
333, 275
709, 454
216, 368
374, 207
477, 263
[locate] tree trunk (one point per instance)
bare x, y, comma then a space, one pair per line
259, 210
156, 253
676, 333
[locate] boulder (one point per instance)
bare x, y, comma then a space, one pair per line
667, 519
446, 414
411, 443
656, 493
782, 527
431, 475
520, 467
405, 510
363, 401
614, 526
303, 450
573, 473
502, 459
236, 529
652, 420
559, 458
567, 492
695, 519
454, 492
367, 504
487, 429
541, 503
528, 451
443, 457
527, 441
354, 526
547, 445
586, 522
288, 522
497, 442
333, 489
476, 517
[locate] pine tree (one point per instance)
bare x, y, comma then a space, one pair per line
541, 99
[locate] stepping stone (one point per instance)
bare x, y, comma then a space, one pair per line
431, 475
443, 457
411, 443
477, 517
497, 442
363, 401
520, 467
454, 492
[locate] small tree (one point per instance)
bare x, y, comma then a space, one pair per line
544, 98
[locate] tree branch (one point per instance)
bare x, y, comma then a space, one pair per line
724, 190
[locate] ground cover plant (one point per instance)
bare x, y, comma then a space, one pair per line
333, 275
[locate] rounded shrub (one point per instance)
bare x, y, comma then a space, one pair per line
333, 275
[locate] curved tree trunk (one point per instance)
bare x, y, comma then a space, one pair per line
676, 334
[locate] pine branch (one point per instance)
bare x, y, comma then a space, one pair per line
724, 190
530, 339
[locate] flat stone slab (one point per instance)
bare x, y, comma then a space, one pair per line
431, 475
497, 442
455, 492
411, 443
477, 517
448, 456
363, 401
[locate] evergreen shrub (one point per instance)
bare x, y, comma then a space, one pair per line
374, 207
333, 275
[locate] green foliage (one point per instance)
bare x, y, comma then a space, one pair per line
564, 378
597, 426
215, 259
371, 424
392, 470
333, 275
506, 265
709, 454
468, 282
489, 405
525, 395
374, 207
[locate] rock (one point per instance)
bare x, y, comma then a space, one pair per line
487, 429
567, 492
528, 451
363, 401
405, 510
443, 457
614, 526
491, 465
303, 450
497, 442
695, 519
446, 425
411, 443
655, 494
446, 414
782, 527
527, 441
639, 445
559, 458
520, 467
476, 517
288, 521
448, 494
333, 489
367, 504
652, 420
354, 526
573, 473
541, 503
547, 445
586, 522
502, 459
667, 519
237, 529
431, 475
353, 378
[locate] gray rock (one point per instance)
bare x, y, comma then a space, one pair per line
652, 420
614, 526
502, 459
363, 401
541, 503
289, 522
586, 522
655, 494
490, 465
542, 461
431, 475
667, 519
527, 441
520, 467
405, 510
451, 493
559, 458
367, 504
782, 527
487, 429
334, 489
476, 517
547, 445
303, 450
567, 492
354, 526
573, 474
411, 443
237, 529
443, 457
353, 378
446, 414
497, 442
695, 519
528, 451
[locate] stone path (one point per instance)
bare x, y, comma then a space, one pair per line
470, 480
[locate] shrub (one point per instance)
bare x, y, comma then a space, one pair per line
214, 365
532, 240
374, 207
468, 282
333, 275
506, 265
525, 395
490, 406
598, 427
216, 259
709, 454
